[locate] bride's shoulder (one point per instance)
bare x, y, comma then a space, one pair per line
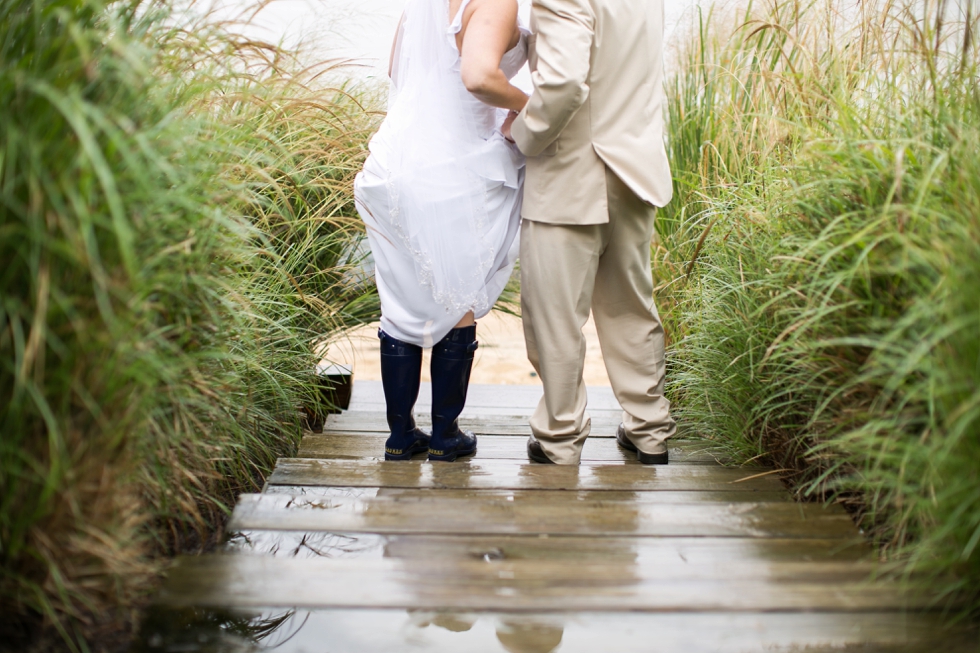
495, 14
507, 6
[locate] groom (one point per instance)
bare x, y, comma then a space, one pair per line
592, 131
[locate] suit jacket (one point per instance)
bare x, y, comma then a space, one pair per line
598, 100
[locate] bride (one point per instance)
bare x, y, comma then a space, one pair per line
440, 195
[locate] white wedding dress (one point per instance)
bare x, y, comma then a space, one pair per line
441, 191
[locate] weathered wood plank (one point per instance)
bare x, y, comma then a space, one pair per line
386, 631
605, 541
557, 497
513, 475
258, 581
718, 553
531, 515
370, 446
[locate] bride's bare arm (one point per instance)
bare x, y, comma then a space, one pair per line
488, 33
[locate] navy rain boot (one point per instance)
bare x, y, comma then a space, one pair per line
401, 370
452, 360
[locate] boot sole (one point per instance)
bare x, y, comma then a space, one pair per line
451, 457
408, 455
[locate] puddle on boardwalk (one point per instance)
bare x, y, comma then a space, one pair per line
387, 631
344, 630
336, 631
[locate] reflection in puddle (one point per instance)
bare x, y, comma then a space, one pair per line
297, 544
529, 637
393, 631
326, 631
515, 634
214, 631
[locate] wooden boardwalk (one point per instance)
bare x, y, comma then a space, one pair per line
343, 552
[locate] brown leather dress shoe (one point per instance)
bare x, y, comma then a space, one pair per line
536, 454
645, 458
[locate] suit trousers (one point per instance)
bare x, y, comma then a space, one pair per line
566, 270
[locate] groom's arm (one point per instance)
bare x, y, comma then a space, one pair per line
564, 32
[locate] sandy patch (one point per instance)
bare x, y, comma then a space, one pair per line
501, 358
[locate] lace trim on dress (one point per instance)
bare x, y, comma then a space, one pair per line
454, 301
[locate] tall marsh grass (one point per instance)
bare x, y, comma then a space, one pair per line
823, 262
177, 240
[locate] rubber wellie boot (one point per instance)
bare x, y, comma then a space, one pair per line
401, 371
452, 360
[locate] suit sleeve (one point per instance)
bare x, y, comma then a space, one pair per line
564, 33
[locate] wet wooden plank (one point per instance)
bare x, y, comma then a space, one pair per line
609, 539
513, 475
532, 515
717, 553
556, 497
370, 446
385, 631
257, 581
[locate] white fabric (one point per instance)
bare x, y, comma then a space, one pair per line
440, 192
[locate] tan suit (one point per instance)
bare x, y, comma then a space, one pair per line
597, 166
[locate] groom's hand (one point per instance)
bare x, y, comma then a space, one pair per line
505, 128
